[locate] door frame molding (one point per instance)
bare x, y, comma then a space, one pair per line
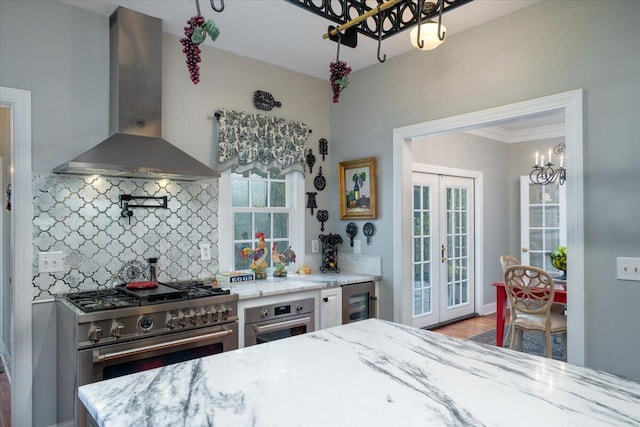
571, 103
478, 183
19, 101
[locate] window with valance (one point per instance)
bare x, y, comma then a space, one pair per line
248, 141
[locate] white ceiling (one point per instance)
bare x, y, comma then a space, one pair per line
281, 33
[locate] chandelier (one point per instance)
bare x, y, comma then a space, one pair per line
544, 173
382, 21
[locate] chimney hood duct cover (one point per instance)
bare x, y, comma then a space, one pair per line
135, 149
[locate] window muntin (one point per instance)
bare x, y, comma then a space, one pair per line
260, 203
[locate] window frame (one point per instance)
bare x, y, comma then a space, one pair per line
295, 192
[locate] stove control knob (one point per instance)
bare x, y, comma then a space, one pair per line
299, 308
184, 319
172, 321
216, 315
207, 316
226, 311
95, 333
264, 313
196, 317
117, 329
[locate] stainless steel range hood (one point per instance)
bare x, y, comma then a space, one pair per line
135, 148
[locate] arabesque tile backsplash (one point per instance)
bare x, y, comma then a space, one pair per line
81, 216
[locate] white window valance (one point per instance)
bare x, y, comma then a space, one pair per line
259, 142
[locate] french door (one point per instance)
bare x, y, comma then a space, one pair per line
442, 254
543, 222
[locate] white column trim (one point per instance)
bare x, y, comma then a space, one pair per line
19, 101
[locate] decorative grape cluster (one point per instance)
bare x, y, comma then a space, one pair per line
191, 49
339, 78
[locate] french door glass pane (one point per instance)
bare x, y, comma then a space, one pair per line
535, 193
535, 240
417, 268
426, 255
417, 202
552, 193
552, 216
535, 216
426, 223
426, 199
416, 223
416, 250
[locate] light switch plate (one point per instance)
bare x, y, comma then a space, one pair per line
628, 268
315, 248
205, 252
357, 247
50, 262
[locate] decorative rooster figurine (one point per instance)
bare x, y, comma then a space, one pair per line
281, 260
259, 256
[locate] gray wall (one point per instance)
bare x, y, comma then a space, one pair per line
61, 54
548, 48
501, 165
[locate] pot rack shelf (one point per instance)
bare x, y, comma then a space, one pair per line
356, 16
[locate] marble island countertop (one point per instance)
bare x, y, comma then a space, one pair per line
373, 373
295, 283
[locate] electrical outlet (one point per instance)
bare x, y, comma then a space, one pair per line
357, 247
205, 252
315, 248
628, 268
50, 262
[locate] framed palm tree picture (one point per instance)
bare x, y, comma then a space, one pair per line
357, 189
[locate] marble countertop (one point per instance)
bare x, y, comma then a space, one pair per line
373, 373
295, 283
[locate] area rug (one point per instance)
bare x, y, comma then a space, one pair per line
532, 342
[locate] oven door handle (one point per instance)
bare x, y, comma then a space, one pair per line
280, 325
98, 357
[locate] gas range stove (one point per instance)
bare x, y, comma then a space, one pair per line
121, 297
119, 314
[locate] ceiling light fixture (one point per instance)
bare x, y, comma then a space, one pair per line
428, 35
544, 173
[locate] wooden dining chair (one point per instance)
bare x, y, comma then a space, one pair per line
530, 291
508, 261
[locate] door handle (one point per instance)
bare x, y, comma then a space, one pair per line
525, 249
442, 251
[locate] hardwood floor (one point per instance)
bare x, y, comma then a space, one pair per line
5, 400
470, 327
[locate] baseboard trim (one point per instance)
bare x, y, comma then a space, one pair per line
488, 309
452, 321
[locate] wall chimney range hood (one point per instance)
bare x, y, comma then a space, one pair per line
136, 149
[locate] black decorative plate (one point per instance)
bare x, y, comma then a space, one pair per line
319, 181
352, 230
369, 230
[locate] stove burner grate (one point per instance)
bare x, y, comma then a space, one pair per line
107, 299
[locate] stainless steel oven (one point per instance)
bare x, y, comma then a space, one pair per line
276, 321
359, 302
109, 333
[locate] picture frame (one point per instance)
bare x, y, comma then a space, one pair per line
357, 189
